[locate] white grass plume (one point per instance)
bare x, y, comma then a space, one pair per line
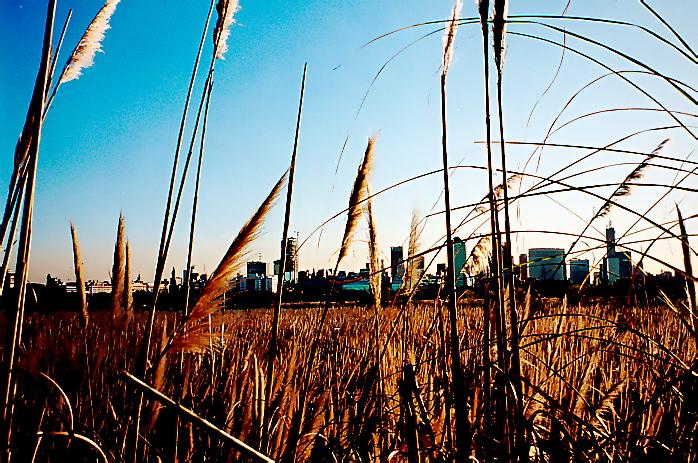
450, 37
91, 42
226, 10
480, 256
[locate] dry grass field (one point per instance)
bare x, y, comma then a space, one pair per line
601, 384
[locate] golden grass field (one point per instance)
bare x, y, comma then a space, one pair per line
602, 384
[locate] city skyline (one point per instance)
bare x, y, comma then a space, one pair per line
89, 171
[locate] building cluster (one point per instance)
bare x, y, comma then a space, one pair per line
402, 275
539, 264
549, 264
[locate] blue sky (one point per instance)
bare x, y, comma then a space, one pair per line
109, 137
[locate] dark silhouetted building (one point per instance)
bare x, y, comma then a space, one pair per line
546, 264
579, 270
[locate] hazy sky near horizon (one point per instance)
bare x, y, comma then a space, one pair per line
109, 137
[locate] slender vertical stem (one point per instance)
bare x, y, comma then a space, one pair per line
459, 394
195, 202
16, 202
495, 265
284, 239
180, 139
16, 316
142, 359
509, 274
53, 65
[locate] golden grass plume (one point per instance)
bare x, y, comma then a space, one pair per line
79, 276
193, 335
117, 275
127, 299
375, 279
358, 194
411, 270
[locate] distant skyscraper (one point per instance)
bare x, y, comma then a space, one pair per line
255, 268
610, 241
616, 264
579, 270
546, 264
523, 268
396, 265
290, 271
459, 258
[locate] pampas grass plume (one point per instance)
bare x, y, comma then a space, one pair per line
91, 42
234, 257
117, 285
226, 17
79, 277
358, 193
450, 37
375, 280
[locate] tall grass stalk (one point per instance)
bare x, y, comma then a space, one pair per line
195, 202
16, 313
463, 433
273, 347
160, 265
142, 357
517, 439
688, 268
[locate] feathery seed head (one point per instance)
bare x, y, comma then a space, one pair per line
91, 42
499, 32
226, 10
358, 194
450, 37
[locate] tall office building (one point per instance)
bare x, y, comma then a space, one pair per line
397, 268
256, 268
579, 270
546, 264
610, 241
616, 264
459, 259
523, 267
290, 272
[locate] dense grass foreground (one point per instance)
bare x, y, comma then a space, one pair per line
600, 384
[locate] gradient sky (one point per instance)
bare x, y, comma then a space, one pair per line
109, 138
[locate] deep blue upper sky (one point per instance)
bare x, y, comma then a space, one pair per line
109, 137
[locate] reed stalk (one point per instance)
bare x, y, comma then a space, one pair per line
273, 342
463, 432
16, 314
518, 438
688, 268
142, 357
195, 202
